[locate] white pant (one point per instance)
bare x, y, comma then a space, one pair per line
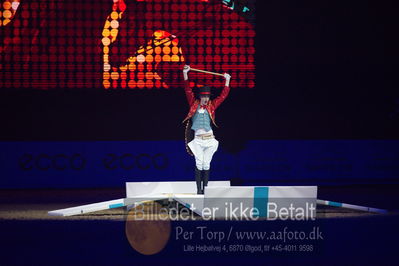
203, 151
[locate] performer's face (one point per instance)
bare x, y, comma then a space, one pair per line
204, 100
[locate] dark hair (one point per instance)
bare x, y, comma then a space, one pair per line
203, 89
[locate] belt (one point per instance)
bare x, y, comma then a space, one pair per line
205, 137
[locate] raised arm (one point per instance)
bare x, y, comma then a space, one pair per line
187, 89
225, 92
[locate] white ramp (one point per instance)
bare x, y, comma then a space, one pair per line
89, 208
140, 192
351, 206
105, 205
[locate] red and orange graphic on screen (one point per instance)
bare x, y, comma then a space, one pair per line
124, 44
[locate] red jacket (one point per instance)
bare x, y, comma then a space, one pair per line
212, 105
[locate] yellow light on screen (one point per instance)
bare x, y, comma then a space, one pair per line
106, 84
131, 59
6, 5
106, 41
107, 67
158, 58
158, 50
175, 58
132, 67
114, 24
166, 50
106, 75
149, 58
166, 43
149, 75
106, 32
114, 75
149, 50
140, 67
114, 32
7, 14
158, 34
175, 50
166, 58
114, 15
141, 58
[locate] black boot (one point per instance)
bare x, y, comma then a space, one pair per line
205, 179
198, 180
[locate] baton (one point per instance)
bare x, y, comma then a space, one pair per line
207, 72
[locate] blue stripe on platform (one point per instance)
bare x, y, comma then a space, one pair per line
335, 204
116, 205
261, 198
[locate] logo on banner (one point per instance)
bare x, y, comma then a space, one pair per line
45, 162
141, 161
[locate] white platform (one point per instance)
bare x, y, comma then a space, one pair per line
255, 202
149, 188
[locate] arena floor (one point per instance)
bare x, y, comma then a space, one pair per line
31, 237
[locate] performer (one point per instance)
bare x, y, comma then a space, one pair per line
202, 111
